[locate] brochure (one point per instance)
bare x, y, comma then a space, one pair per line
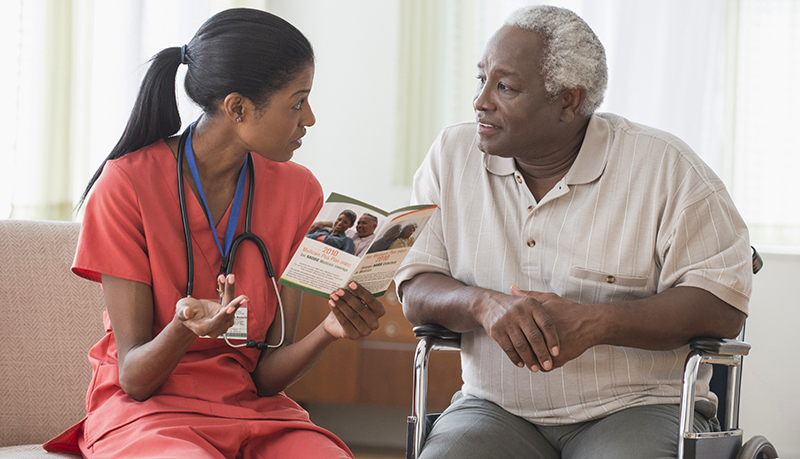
327, 259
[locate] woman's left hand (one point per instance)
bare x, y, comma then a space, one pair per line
354, 313
208, 317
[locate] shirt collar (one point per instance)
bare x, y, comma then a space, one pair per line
589, 164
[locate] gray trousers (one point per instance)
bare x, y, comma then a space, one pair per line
475, 428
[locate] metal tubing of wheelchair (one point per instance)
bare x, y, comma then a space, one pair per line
732, 401
420, 391
687, 399
419, 401
734, 363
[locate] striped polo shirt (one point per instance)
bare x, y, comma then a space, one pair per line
637, 213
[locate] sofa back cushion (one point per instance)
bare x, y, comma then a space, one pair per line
50, 318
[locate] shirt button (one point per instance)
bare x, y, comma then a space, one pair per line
530, 208
531, 243
611, 279
519, 179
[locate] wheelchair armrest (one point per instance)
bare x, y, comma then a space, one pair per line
436, 331
719, 346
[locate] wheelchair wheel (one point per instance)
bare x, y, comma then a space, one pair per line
757, 447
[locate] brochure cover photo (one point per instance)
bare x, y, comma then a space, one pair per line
354, 241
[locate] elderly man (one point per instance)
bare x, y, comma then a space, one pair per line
577, 252
364, 233
406, 237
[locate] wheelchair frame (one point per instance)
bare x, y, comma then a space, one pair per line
726, 444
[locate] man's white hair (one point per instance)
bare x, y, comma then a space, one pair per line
574, 56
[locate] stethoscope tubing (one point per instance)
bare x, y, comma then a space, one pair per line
184, 217
227, 262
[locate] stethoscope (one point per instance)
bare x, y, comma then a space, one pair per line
227, 261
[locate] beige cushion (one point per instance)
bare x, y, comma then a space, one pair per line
50, 319
31, 452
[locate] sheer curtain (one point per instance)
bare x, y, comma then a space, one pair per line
35, 101
437, 67
696, 69
68, 67
764, 154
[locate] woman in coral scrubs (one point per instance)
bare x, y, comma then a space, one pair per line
165, 385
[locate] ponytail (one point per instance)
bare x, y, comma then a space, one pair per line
155, 113
240, 50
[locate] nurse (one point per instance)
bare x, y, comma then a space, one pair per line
173, 377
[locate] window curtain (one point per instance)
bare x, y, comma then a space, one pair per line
70, 73
764, 153
35, 99
437, 68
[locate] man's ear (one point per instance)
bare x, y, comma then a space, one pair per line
571, 103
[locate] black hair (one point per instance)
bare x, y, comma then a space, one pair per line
241, 50
350, 215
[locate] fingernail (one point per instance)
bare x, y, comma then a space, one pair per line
221, 278
231, 278
520, 364
334, 296
330, 302
547, 365
534, 368
340, 292
554, 351
353, 285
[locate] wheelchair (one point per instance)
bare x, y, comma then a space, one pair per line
723, 353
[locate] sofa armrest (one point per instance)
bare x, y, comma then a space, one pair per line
51, 318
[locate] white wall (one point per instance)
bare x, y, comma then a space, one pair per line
770, 403
351, 148
351, 151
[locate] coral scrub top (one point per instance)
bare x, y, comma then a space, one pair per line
132, 229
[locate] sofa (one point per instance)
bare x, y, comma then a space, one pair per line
50, 320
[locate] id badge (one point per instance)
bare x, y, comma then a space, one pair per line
239, 328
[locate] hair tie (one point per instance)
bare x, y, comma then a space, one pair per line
183, 55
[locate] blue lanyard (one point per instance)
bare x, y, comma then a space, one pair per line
233, 219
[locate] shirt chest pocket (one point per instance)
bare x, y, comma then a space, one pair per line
607, 286
608, 277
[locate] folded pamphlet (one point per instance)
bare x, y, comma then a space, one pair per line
326, 260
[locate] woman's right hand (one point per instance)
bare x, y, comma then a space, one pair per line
208, 317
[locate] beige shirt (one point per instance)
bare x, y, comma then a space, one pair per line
637, 213
400, 243
362, 243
